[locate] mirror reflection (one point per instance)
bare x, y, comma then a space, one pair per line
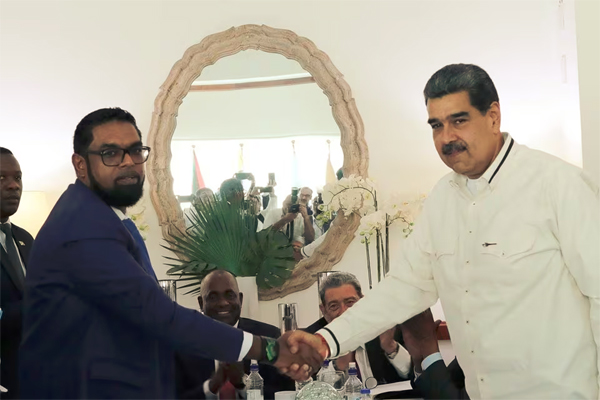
257, 126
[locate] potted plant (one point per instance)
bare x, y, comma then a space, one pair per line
223, 235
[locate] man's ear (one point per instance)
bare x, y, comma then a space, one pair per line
495, 116
81, 168
241, 298
200, 303
322, 308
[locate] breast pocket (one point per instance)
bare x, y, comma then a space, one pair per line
509, 248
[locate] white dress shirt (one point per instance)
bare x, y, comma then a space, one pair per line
517, 268
3, 243
401, 362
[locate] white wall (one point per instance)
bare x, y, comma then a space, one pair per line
60, 60
587, 14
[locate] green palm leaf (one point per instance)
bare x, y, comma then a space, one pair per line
223, 236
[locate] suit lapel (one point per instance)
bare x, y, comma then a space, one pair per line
22, 245
11, 269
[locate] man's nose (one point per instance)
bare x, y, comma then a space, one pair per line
127, 160
12, 184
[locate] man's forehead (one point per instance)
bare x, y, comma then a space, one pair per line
343, 292
8, 163
306, 191
115, 133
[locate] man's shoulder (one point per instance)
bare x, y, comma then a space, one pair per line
21, 234
258, 328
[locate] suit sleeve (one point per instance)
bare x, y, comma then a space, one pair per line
104, 273
441, 382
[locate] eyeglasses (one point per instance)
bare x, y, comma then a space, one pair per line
115, 156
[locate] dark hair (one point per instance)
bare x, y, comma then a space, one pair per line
456, 78
336, 280
4, 150
230, 187
83, 133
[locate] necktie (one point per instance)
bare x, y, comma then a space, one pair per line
13, 255
140, 242
227, 392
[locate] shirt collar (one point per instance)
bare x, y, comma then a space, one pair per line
489, 175
499, 160
120, 214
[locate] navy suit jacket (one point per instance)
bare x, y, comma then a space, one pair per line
96, 324
192, 371
11, 302
441, 382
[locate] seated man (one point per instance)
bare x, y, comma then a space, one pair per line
382, 358
432, 379
281, 218
201, 378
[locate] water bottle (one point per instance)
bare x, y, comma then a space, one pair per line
365, 394
254, 383
353, 385
301, 384
327, 373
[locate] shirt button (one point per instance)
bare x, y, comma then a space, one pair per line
474, 203
470, 231
467, 321
481, 379
467, 261
467, 291
472, 351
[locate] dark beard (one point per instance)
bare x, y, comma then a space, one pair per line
120, 195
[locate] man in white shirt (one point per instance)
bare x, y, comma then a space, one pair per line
281, 218
508, 242
383, 358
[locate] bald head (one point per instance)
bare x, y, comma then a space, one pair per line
220, 297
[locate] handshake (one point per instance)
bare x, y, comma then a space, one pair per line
300, 354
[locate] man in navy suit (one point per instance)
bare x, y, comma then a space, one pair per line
202, 378
96, 323
433, 379
15, 244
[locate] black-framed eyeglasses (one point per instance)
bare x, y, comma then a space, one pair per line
114, 156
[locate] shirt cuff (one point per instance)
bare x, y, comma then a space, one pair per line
246, 345
401, 362
430, 359
207, 393
334, 347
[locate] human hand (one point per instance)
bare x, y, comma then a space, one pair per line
289, 217
342, 363
420, 336
387, 342
303, 210
218, 378
235, 374
298, 361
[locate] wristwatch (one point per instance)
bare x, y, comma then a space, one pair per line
393, 354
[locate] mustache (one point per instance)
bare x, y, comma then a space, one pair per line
131, 174
452, 147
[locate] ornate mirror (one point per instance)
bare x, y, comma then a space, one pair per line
287, 73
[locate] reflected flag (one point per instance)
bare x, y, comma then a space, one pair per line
197, 180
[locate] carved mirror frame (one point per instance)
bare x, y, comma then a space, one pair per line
330, 80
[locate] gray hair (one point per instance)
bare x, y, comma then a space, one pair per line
456, 78
336, 280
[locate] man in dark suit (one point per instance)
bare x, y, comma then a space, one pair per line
14, 253
96, 323
433, 379
204, 378
386, 359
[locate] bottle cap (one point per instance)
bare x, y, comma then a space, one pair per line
326, 363
351, 365
365, 391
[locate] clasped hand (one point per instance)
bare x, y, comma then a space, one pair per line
300, 354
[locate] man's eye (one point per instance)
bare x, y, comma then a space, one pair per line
459, 121
435, 126
18, 178
136, 151
110, 153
